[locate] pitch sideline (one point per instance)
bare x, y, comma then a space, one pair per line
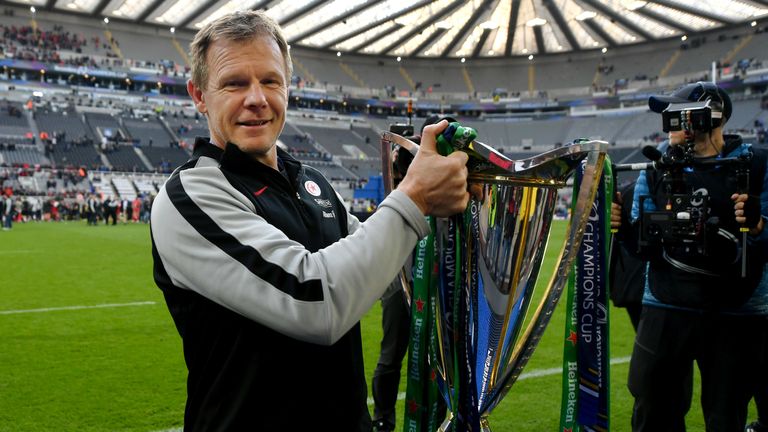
79, 307
538, 373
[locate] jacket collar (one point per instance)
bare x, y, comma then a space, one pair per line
732, 142
236, 161
204, 148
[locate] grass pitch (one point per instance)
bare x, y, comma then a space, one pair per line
66, 365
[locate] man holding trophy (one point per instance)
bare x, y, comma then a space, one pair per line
266, 275
264, 272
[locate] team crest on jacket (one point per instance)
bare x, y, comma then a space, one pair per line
312, 188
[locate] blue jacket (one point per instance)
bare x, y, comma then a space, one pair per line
666, 285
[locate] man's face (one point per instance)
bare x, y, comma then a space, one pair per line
246, 95
677, 137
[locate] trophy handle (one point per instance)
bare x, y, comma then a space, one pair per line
387, 138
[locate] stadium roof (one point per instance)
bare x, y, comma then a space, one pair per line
444, 28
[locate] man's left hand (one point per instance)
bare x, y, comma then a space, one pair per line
747, 212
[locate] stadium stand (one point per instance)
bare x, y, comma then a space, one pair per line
68, 122
597, 95
150, 48
165, 159
104, 125
75, 156
642, 125
147, 132
186, 128
102, 184
124, 187
338, 142
147, 185
24, 155
13, 120
125, 158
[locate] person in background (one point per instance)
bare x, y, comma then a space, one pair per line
691, 293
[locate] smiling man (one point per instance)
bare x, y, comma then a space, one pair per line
265, 273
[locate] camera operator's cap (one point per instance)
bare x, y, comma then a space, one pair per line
693, 93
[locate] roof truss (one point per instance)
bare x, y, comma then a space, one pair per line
560, 21
324, 25
377, 23
693, 11
471, 22
596, 5
514, 12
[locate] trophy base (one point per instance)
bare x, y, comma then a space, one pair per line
447, 425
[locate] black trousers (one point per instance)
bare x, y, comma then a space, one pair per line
661, 370
761, 376
396, 323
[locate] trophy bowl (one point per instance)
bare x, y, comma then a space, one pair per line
488, 264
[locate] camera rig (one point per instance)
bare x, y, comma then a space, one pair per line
683, 224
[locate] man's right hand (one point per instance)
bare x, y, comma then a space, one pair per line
437, 184
616, 211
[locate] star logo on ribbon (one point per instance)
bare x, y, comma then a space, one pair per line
419, 305
412, 406
572, 338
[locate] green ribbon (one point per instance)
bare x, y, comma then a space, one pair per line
423, 411
596, 408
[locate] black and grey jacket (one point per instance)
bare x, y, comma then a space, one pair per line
267, 276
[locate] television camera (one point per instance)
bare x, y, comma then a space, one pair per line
683, 224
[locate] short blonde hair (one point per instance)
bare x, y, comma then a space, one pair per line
238, 26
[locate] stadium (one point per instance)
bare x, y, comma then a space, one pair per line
95, 116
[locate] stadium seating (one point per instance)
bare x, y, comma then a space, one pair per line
24, 155
147, 130
76, 156
124, 187
13, 120
339, 142
69, 122
347, 147
187, 128
125, 158
107, 124
165, 159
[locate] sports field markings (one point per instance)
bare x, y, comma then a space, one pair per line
14, 252
64, 308
536, 373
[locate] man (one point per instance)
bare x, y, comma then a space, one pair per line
627, 271
8, 210
757, 307
92, 207
266, 275
690, 293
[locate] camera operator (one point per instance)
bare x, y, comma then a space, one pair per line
696, 286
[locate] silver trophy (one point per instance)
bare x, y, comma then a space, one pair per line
487, 322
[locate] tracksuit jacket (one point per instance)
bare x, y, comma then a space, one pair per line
266, 276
